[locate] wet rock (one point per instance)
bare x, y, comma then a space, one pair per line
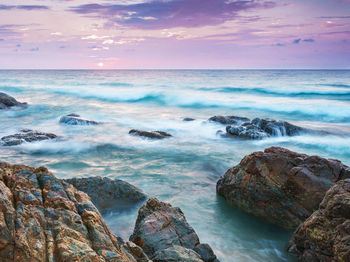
161, 228
188, 119
136, 252
74, 120
280, 186
206, 253
26, 135
150, 134
262, 128
7, 101
229, 120
325, 235
108, 193
43, 218
176, 254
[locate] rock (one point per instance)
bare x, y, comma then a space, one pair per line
325, 235
107, 193
280, 186
26, 135
229, 120
75, 120
206, 253
187, 119
136, 251
262, 128
150, 134
161, 228
7, 101
176, 254
43, 218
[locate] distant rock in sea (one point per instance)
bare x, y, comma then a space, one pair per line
325, 235
150, 134
164, 234
26, 135
7, 101
107, 193
280, 186
43, 218
188, 119
74, 120
229, 120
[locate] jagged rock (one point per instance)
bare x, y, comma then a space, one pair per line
325, 235
43, 218
26, 135
176, 254
74, 120
229, 120
188, 119
262, 128
160, 228
280, 186
150, 134
206, 253
106, 193
136, 251
7, 101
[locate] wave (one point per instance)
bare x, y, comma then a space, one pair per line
335, 85
343, 94
116, 84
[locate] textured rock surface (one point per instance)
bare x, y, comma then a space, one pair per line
7, 101
262, 128
45, 219
160, 228
325, 235
279, 185
150, 134
229, 120
106, 193
26, 135
74, 120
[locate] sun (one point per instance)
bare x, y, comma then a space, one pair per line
100, 64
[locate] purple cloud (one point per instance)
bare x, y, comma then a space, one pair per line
175, 13
24, 7
297, 41
309, 40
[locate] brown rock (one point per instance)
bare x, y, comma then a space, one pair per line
325, 235
45, 219
280, 186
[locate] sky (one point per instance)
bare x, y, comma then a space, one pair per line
174, 34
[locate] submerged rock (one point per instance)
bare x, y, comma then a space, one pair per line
160, 229
7, 101
261, 128
106, 193
280, 186
229, 120
26, 135
150, 134
43, 218
74, 119
188, 119
325, 235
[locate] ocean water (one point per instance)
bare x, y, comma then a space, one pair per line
182, 170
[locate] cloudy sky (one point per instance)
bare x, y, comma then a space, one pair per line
73, 34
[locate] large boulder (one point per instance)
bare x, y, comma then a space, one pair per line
7, 101
26, 135
43, 218
108, 193
75, 119
149, 134
161, 228
263, 128
280, 186
325, 235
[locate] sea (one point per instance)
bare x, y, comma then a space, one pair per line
182, 170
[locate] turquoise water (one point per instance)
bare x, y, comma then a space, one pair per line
182, 170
